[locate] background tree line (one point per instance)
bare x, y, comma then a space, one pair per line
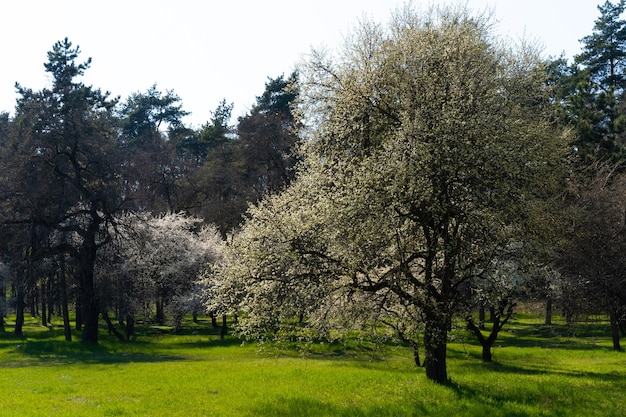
425, 174
75, 161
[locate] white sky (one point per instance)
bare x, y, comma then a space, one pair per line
207, 50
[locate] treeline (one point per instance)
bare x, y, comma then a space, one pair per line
424, 175
75, 162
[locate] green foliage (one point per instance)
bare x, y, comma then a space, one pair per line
590, 91
430, 148
604, 51
145, 115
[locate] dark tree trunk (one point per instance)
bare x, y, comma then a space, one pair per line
3, 300
50, 297
19, 309
44, 307
111, 327
87, 293
64, 303
481, 318
615, 330
435, 344
500, 316
160, 315
214, 321
485, 342
224, 329
569, 315
33, 303
549, 311
416, 353
129, 329
79, 315
90, 313
486, 353
435, 363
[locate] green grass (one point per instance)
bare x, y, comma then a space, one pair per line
558, 370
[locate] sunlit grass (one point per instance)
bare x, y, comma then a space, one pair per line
538, 371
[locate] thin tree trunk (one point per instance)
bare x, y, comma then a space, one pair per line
87, 292
64, 303
44, 307
79, 315
19, 309
111, 327
481, 318
223, 330
160, 315
549, 311
615, 330
50, 297
3, 308
129, 329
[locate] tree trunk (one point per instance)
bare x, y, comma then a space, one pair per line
435, 343
435, 363
615, 330
160, 315
214, 321
51, 297
223, 330
44, 307
549, 311
19, 309
111, 327
129, 329
79, 315
87, 293
90, 312
500, 317
481, 318
416, 353
64, 303
487, 352
3, 306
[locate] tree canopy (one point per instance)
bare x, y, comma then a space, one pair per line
430, 144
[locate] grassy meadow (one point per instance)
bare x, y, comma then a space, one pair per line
558, 370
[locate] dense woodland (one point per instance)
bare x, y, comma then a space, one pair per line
425, 175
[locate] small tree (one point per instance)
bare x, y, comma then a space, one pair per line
592, 258
155, 259
500, 288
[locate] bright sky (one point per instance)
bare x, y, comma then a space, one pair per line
207, 50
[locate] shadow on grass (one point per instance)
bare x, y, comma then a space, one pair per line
64, 353
530, 370
47, 345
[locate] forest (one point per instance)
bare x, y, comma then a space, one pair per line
424, 174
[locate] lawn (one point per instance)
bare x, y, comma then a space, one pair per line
559, 370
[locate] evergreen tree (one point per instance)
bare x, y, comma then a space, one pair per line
592, 88
64, 170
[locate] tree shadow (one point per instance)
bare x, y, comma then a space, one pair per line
60, 352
